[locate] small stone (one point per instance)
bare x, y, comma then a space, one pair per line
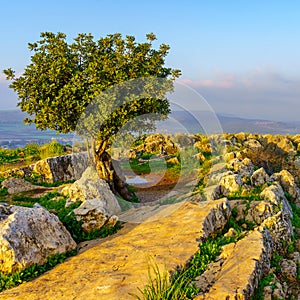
173, 161
295, 257
288, 269
231, 232
18, 185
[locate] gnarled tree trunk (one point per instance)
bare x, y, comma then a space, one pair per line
107, 172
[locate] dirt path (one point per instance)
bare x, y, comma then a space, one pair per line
160, 185
118, 265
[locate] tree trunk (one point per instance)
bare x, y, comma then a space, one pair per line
107, 172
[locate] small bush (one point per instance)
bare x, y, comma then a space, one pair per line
51, 149
159, 286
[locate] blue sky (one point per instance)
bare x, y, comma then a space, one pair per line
242, 56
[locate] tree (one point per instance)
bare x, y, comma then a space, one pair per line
64, 79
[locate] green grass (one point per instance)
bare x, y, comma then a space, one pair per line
8, 281
159, 286
265, 281
180, 285
252, 195
30, 153
296, 215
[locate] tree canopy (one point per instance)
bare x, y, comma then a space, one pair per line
63, 78
99, 84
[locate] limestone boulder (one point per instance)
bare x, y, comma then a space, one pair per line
275, 195
173, 161
217, 217
259, 177
18, 185
282, 142
99, 205
281, 230
259, 211
241, 267
61, 168
90, 186
169, 147
243, 167
252, 144
199, 156
184, 140
29, 236
204, 146
275, 290
15, 172
287, 181
94, 215
158, 143
230, 183
241, 136
229, 156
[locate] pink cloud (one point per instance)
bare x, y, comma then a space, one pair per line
260, 78
222, 83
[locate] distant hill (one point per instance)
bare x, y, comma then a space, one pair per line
13, 132
203, 121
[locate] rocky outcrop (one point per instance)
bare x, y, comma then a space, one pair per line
61, 168
259, 177
117, 266
281, 230
217, 217
275, 195
243, 167
287, 181
233, 277
99, 207
229, 183
288, 269
158, 143
239, 268
29, 236
15, 172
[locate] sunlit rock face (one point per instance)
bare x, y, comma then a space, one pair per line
29, 236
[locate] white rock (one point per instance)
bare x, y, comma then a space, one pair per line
99, 203
275, 194
94, 215
29, 236
18, 185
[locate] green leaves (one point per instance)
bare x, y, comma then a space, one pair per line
63, 78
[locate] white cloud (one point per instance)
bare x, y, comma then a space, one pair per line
260, 93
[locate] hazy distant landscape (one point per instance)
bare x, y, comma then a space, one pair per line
14, 133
